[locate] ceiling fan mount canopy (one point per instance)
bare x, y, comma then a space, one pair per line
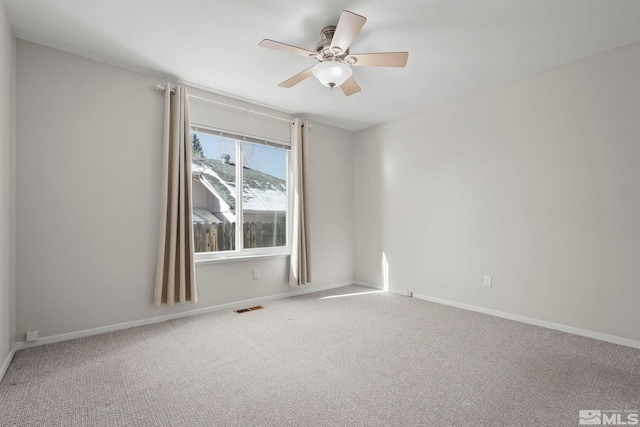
333, 54
327, 32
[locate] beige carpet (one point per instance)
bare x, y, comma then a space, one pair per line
374, 359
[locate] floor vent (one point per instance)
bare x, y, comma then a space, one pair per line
244, 310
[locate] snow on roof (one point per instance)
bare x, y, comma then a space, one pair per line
261, 192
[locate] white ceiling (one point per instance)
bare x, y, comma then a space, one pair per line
456, 47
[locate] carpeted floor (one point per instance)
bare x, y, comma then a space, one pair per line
374, 359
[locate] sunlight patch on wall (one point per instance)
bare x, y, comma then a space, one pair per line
385, 272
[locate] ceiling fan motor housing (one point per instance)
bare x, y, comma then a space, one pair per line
323, 47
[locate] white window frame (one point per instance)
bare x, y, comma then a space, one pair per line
240, 252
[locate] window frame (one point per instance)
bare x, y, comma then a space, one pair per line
240, 252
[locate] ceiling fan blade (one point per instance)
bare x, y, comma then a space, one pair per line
349, 87
272, 44
348, 27
383, 59
297, 78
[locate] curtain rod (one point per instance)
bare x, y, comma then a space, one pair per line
158, 86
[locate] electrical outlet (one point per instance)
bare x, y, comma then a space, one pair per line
256, 273
487, 281
32, 336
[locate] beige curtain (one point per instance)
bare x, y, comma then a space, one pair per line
300, 269
175, 270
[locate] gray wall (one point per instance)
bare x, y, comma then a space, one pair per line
6, 197
535, 183
87, 197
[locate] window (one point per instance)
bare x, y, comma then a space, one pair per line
240, 195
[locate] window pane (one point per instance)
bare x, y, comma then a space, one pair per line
214, 192
264, 196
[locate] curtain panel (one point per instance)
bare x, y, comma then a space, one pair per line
300, 267
175, 269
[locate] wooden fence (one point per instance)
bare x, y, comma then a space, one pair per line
214, 237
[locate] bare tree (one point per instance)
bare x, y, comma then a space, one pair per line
228, 146
247, 154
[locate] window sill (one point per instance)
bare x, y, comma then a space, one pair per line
233, 258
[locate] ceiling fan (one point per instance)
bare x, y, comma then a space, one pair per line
332, 53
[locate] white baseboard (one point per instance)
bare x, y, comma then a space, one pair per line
126, 325
5, 365
401, 292
367, 285
393, 291
550, 325
531, 321
94, 331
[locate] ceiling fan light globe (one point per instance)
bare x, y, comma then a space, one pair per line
332, 73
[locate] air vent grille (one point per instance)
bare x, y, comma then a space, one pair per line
245, 310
